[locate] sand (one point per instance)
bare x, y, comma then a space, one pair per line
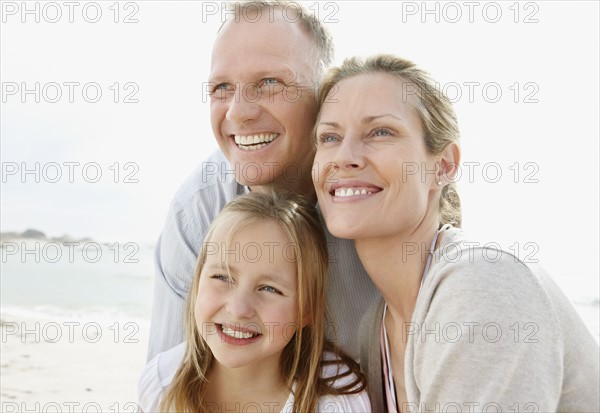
70, 365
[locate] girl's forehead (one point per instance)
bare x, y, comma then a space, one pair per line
236, 227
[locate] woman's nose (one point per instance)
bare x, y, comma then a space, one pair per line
350, 154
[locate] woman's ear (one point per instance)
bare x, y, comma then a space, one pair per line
448, 160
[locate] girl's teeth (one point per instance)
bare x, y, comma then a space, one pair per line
236, 334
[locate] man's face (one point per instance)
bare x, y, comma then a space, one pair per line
262, 104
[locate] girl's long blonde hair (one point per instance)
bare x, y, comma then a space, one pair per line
301, 360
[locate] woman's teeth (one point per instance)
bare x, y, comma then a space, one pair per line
341, 192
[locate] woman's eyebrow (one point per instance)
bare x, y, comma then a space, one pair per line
365, 119
334, 124
369, 119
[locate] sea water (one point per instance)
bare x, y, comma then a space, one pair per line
119, 284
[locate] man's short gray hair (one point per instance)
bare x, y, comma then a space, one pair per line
292, 12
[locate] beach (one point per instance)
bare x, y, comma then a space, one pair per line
75, 332
70, 364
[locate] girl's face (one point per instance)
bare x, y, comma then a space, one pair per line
372, 173
246, 304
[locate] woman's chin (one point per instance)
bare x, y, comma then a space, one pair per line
342, 228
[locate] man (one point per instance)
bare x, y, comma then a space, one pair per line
266, 62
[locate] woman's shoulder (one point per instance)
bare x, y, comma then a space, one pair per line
461, 259
468, 273
157, 376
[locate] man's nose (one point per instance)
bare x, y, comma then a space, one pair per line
244, 105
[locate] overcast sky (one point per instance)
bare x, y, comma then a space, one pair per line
524, 78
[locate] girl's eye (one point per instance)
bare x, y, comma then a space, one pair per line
221, 277
270, 289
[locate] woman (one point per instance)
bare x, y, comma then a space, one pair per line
461, 327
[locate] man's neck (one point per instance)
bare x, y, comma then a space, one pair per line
305, 188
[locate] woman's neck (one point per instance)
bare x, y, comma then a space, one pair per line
396, 265
246, 389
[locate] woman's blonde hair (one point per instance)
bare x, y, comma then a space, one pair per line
433, 107
301, 360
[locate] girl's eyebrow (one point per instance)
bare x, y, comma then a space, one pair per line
277, 280
220, 265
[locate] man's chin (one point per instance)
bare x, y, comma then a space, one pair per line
253, 173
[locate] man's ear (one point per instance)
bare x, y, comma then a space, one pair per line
448, 160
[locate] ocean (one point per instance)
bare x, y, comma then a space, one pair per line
115, 281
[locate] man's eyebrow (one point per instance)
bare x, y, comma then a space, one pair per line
275, 73
286, 74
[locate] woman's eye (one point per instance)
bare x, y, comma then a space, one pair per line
270, 289
327, 137
382, 132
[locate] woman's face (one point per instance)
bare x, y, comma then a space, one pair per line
372, 172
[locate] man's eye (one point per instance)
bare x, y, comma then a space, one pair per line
270, 81
221, 88
271, 85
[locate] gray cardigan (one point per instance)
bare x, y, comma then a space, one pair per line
488, 332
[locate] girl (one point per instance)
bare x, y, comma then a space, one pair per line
255, 320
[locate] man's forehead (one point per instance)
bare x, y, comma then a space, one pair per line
274, 30
246, 49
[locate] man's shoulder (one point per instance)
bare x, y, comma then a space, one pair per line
212, 181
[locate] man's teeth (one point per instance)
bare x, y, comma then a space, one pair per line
237, 334
341, 192
254, 142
